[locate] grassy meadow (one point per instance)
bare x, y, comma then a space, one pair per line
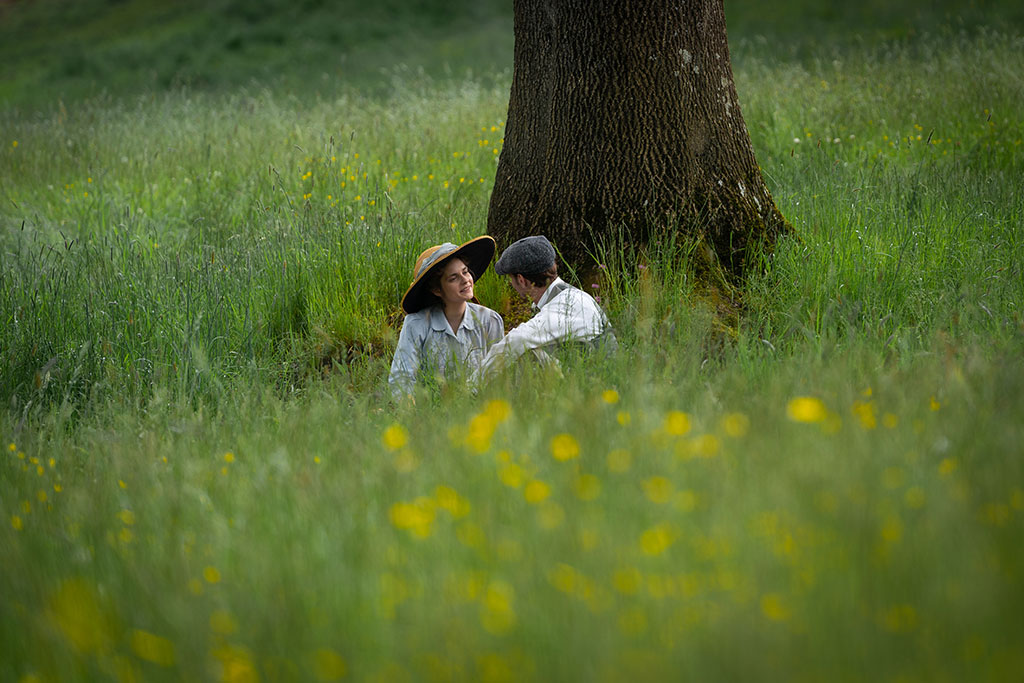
203, 476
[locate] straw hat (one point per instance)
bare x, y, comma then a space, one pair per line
476, 253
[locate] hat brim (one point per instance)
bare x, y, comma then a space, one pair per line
477, 253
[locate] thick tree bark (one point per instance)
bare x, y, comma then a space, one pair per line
624, 113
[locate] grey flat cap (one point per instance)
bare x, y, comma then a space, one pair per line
529, 256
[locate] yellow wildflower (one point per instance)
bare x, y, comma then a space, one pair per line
449, 499
536, 491
773, 607
619, 460
736, 425
404, 461
511, 475
706, 446
550, 515
892, 529
497, 612
481, 429
677, 423
589, 539
658, 489
657, 539
996, 514
498, 410
152, 648
470, 535
893, 477
564, 447
633, 621
79, 614
865, 412
899, 619
806, 409
328, 665
914, 497
395, 437
222, 623
236, 665
685, 501
563, 577
417, 517
627, 581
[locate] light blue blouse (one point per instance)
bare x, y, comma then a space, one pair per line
428, 349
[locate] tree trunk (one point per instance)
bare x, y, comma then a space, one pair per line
623, 113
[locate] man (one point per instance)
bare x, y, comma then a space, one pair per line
565, 314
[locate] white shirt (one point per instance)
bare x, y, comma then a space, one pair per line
564, 313
428, 348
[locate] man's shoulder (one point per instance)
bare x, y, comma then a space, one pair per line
571, 293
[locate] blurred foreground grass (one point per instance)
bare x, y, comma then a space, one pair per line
835, 520
203, 478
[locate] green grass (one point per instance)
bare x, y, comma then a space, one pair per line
71, 49
203, 478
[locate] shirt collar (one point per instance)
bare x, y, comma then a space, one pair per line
554, 289
435, 314
469, 320
439, 323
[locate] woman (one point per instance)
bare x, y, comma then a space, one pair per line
446, 333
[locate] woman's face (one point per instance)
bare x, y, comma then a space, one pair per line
456, 283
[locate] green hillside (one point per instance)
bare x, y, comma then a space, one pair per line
53, 49
67, 49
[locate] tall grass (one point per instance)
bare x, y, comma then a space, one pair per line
229, 239
203, 477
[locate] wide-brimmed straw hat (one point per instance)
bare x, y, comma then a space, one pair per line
476, 253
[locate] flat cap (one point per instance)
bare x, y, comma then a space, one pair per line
529, 256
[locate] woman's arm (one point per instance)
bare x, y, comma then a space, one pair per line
406, 362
